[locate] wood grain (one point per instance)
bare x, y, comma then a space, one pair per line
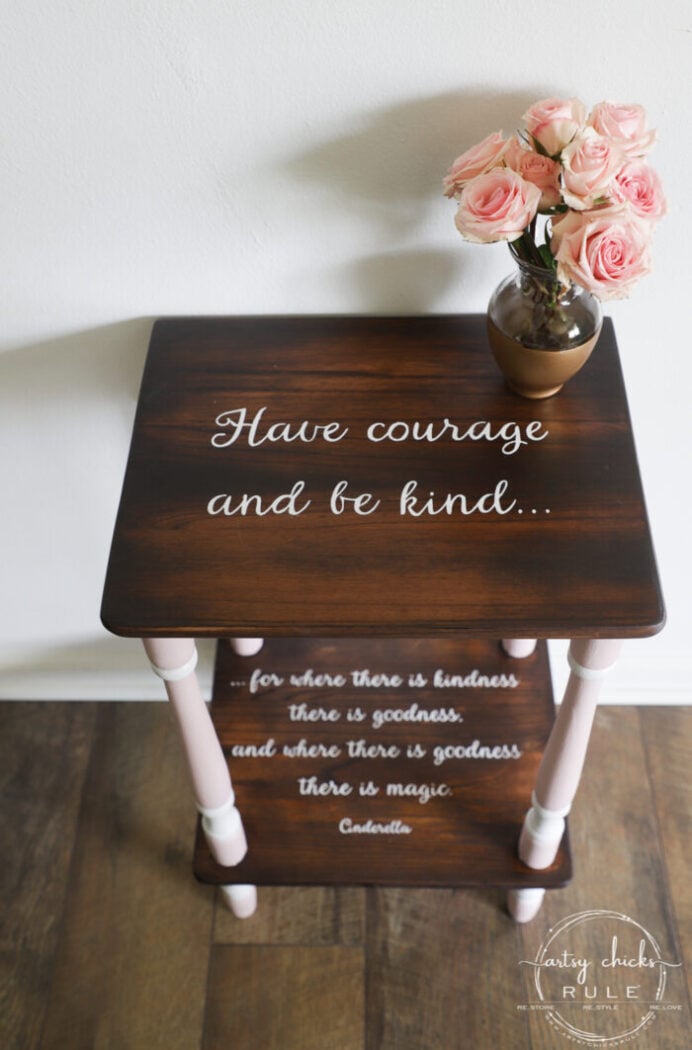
669, 755
466, 837
306, 915
438, 968
44, 752
619, 868
442, 972
263, 998
130, 970
585, 568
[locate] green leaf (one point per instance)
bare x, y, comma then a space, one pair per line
518, 249
547, 257
538, 148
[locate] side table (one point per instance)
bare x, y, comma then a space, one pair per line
366, 495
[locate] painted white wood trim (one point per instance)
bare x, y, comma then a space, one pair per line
110, 670
124, 675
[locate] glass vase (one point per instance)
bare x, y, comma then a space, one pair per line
541, 331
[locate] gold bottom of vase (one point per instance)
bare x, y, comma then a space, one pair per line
536, 373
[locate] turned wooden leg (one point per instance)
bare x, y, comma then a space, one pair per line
562, 764
523, 905
242, 900
174, 660
246, 646
519, 647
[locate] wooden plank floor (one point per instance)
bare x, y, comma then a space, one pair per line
106, 942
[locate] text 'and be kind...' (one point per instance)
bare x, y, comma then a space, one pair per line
238, 425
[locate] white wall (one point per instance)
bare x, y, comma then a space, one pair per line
192, 156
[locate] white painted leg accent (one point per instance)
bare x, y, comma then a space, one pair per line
524, 905
563, 759
242, 900
176, 674
174, 661
543, 828
246, 646
223, 830
519, 647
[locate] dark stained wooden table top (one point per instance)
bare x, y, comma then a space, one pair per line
504, 517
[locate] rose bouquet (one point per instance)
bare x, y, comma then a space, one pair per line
586, 174
577, 203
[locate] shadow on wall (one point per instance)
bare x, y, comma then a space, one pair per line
404, 282
387, 174
92, 366
66, 409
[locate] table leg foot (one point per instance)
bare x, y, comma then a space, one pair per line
242, 900
246, 646
524, 905
519, 647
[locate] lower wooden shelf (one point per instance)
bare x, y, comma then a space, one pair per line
382, 762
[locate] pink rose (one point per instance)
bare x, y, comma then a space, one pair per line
480, 158
554, 122
639, 185
534, 167
605, 251
624, 125
496, 206
589, 164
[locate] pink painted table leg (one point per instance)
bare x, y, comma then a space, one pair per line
562, 764
174, 661
241, 899
246, 646
519, 647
